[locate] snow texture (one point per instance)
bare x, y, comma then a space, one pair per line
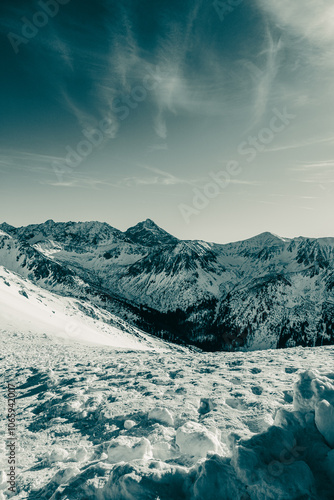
107, 423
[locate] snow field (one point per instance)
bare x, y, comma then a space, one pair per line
29, 309
97, 422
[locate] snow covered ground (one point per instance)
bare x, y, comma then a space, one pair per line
27, 308
100, 422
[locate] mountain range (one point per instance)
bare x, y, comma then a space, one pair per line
261, 293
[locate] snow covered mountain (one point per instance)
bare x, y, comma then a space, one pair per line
147, 233
31, 310
264, 292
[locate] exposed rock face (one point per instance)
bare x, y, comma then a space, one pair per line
265, 292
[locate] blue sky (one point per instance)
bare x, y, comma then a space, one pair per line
122, 111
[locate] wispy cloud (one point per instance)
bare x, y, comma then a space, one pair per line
312, 20
31, 162
160, 178
246, 182
172, 52
265, 202
316, 166
163, 178
78, 181
264, 79
320, 173
302, 144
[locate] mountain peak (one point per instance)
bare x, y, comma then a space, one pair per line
7, 228
265, 238
148, 233
149, 223
70, 234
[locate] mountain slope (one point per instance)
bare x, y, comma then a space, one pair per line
28, 309
264, 292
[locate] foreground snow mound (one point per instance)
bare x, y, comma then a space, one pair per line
161, 415
195, 440
315, 393
292, 460
215, 478
272, 467
310, 389
126, 449
324, 419
111, 424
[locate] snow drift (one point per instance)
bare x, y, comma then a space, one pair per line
293, 459
163, 457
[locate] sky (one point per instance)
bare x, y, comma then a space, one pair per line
213, 118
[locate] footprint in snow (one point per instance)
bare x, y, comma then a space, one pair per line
235, 404
291, 369
288, 396
257, 390
236, 362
